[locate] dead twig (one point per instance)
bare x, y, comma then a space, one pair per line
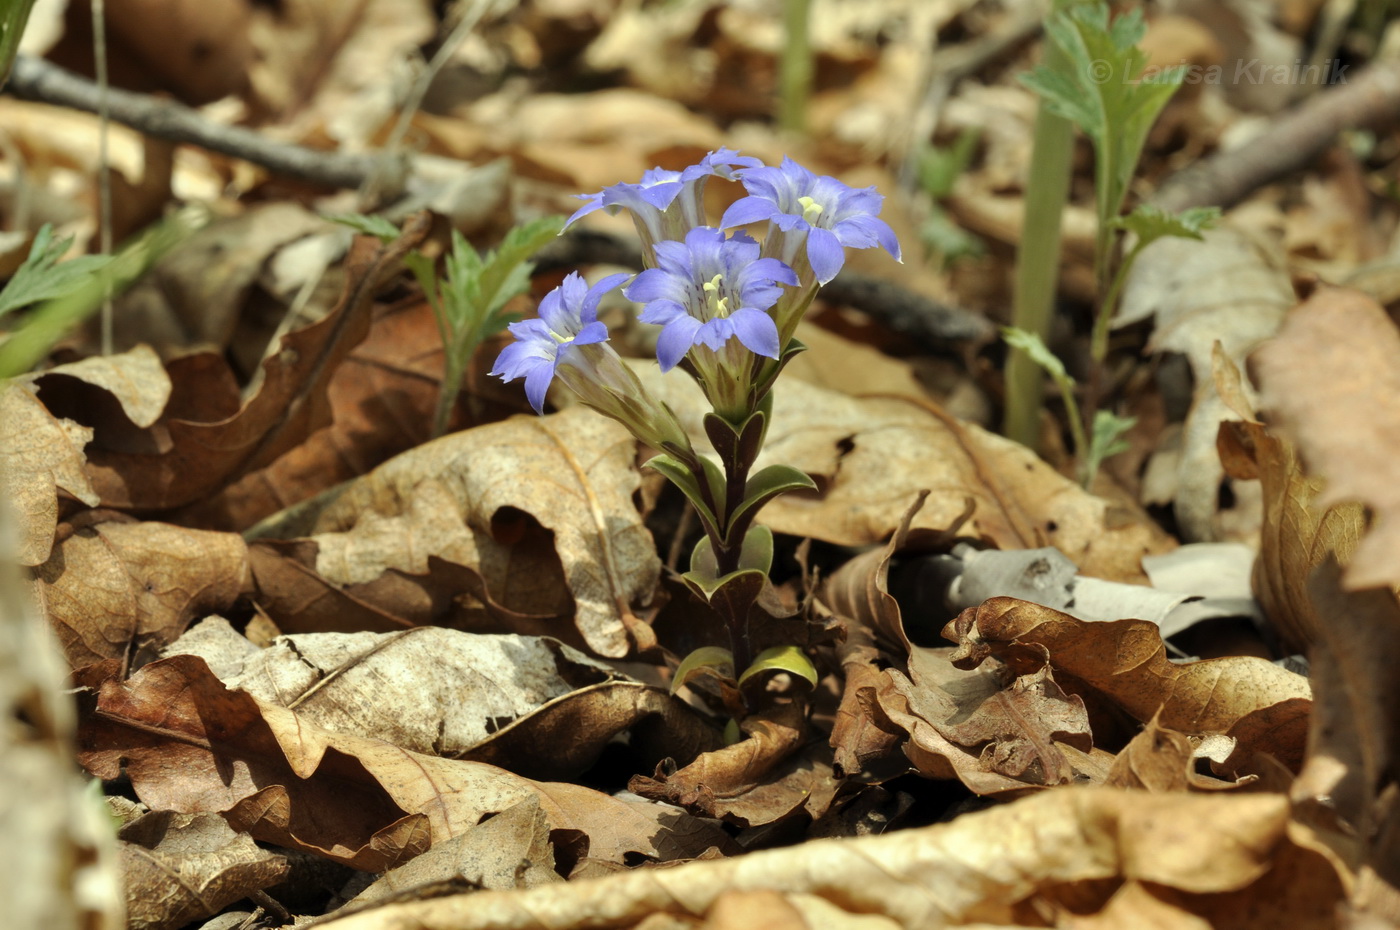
38, 80
1293, 140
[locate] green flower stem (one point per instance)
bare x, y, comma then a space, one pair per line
796, 77
1038, 261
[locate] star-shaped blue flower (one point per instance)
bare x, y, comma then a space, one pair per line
663, 194
708, 290
568, 319
830, 215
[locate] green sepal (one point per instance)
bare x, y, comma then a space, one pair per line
785, 659
707, 661
767, 484
679, 474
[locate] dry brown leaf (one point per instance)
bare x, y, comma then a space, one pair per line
1332, 376
529, 704
983, 868
1125, 662
1355, 741
729, 773
511, 850
182, 867
997, 737
40, 456
471, 498
872, 456
189, 744
118, 590
183, 460
135, 380
1160, 760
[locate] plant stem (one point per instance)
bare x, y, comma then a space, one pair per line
796, 77
1038, 261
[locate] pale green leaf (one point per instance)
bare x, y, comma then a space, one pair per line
42, 277
782, 659
707, 661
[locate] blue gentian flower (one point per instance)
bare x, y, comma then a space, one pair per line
820, 210
708, 290
568, 320
666, 204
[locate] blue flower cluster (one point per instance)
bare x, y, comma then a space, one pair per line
724, 303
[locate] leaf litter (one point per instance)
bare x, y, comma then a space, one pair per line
300, 632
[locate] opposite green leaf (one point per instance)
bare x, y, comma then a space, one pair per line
782, 659
365, 223
676, 471
1149, 223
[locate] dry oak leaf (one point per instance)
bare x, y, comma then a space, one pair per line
871, 457
1125, 662
1332, 377
178, 868
189, 745
1161, 760
183, 460
463, 497
126, 589
995, 736
986, 868
529, 704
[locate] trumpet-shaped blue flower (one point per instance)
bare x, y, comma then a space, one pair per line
708, 290
568, 320
666, 204
826, 214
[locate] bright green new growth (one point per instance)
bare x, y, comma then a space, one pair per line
1106, 437
1096, 79
41, 278
939, 169
468, 299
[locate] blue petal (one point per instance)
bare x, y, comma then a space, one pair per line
706, 246
675, 340
589, 310
655, 284
872, 231
560, 308
597, 331
595, 202
748, 210
825, 253
662, 312
715, 333
757, 331
770, 269
537, 385
519, 359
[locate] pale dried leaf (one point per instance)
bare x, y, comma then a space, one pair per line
458, 497
1332, 376
40, 456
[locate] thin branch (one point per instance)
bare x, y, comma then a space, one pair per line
38, 80
1292, 141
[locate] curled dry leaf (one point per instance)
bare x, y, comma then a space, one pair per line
1297, 534
190, 745
982, 868
1161, 761
472, 498
1125, 663
529, 704
183, 460
182, 867
775, 772
115, 590
1332, 376
872, 456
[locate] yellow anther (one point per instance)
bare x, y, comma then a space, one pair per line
810, 208
713, 284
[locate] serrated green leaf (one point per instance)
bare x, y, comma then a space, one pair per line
1107, 440
42, 277
1149, 223
1103, 91
1036, 350
368, 224
707, 661
505, 272
782, 659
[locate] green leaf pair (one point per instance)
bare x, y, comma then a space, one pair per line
717, 664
